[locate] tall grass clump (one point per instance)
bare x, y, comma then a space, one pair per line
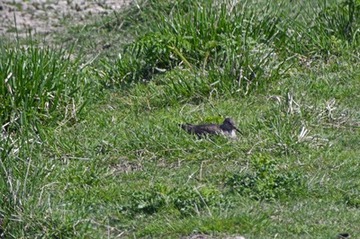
236, 46
325, 28
231, 43
341, 20
39, 86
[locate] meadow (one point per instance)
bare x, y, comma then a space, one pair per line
91, 147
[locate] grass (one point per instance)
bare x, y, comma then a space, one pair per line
92, 148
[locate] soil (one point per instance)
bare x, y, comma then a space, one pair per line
47, 16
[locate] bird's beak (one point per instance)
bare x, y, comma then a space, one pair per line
238, 131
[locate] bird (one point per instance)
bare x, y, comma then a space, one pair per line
343, 235
227, 128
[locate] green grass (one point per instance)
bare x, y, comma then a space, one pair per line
92, 148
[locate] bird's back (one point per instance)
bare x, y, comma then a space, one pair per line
201, 129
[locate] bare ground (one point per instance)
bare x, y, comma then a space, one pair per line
47, 16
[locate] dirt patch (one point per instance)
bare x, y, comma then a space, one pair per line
47, 16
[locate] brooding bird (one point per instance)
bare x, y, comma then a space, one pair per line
227, 128
343, 236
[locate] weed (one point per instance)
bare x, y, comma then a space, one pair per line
191, 201
187, 200
266, 181
148, 201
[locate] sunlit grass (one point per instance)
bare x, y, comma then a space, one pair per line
93, 149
